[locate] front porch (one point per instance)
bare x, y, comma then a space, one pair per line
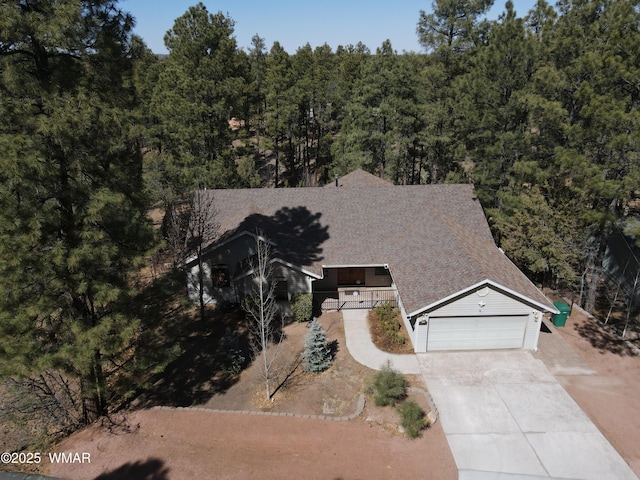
353, 298
354, 287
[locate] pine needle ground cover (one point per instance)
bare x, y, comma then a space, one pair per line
388, 331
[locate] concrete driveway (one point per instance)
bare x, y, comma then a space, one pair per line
505, 415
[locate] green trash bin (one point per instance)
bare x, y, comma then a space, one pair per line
560, 319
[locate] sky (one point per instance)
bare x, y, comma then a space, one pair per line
296, 23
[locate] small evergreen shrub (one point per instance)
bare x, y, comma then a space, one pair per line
302, 306
388, 318
229, 348
388, 386
317, 353
412, 418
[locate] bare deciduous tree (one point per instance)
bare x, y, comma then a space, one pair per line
174, 228
262, 310
202, 231
49, 399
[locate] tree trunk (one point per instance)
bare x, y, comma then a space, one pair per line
201, 285
595, 268
277, 162
632, 297
93, 392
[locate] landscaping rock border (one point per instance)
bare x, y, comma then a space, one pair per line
433, 415
359, 408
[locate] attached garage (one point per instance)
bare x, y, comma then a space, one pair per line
484, 317
476, 333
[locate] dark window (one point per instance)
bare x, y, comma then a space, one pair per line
220, 276
282, 289
381, 271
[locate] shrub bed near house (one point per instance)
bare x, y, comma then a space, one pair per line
302, 307
388, 320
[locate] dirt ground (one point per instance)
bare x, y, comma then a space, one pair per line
612, 397
179, 444
334, 391
176, 444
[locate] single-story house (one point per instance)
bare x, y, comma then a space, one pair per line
362, 241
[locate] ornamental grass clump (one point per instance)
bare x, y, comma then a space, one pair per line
412, 418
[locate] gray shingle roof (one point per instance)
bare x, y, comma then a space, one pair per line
435, 238
360, 178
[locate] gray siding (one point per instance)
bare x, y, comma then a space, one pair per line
485, 303
328, 282
211, 295
495, 303
297, 282
233, 252
373, 280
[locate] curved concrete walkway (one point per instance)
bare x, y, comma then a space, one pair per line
362, 349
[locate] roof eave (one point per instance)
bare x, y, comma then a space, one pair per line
282, 262
357, 265
215, 245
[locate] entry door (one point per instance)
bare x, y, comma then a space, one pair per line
476, 333
351, 276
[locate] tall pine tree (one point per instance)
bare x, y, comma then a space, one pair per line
195, 96
72, 220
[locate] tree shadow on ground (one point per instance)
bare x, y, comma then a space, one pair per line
201, 369
151, 469
602, 340
178, 359
334, 348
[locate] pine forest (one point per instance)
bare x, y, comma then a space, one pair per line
539, 112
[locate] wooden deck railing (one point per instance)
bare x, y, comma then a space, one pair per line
350, 298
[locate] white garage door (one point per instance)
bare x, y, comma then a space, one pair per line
476, 333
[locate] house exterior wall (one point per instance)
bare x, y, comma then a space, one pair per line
212, 295
297, 282
496, 304
373, 280
229, 255
233, 252
328, 282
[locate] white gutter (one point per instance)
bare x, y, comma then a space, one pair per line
359, 265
